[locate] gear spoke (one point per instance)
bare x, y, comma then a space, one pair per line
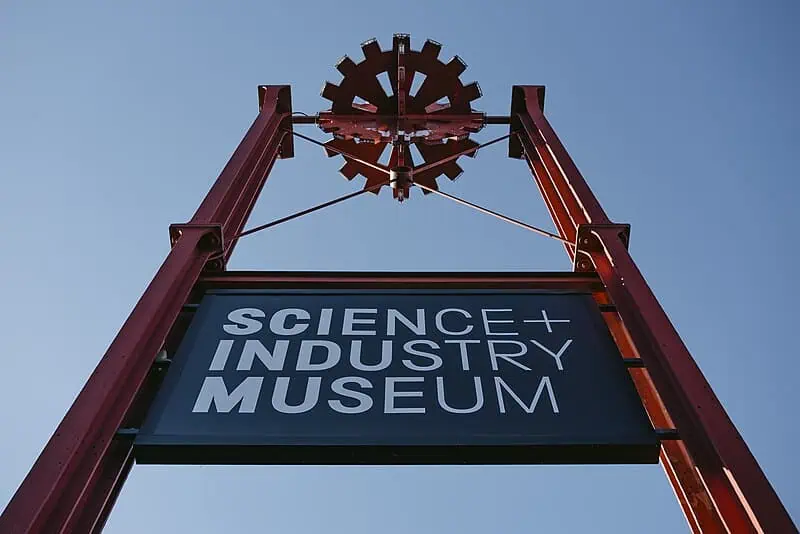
355, 159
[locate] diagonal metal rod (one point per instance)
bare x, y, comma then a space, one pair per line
495, 214
459, 154
342, 152
310, 210
298, 214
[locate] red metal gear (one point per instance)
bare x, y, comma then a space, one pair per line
437, 118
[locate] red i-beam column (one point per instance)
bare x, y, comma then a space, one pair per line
76, 478
717, 480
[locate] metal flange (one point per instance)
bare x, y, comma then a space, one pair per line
588, 241
210, 241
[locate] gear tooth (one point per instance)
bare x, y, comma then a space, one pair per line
329, 91
329, 145
466, 144
349, 170
373, 179
371, 48
401, 38
431, 49
452, 170
471, 92
457, 65
428, 181
337, 143
346, 66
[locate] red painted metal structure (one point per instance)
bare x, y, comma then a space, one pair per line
76, 479
718, 482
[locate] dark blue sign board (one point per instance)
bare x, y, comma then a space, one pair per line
397, 377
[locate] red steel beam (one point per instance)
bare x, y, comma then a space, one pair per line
661, 351
675, 459
715, 464
373, 117
563, 281
94, 507
558, 212
82, 466
571, 212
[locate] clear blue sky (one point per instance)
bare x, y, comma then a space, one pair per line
115, 117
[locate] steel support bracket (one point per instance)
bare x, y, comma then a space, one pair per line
211, 242
587, 242
284, 105
519, 96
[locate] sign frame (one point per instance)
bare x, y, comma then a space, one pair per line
149, 450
